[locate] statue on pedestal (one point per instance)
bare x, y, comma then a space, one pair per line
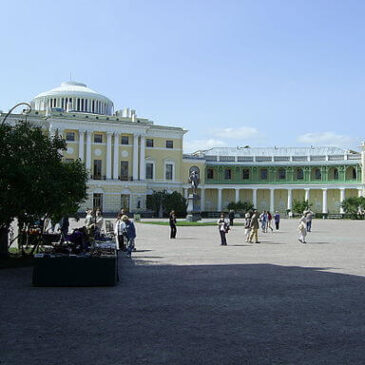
193, 209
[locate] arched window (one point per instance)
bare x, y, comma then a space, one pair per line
299, 174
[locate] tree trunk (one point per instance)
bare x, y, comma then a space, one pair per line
4, 251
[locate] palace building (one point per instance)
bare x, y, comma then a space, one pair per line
129, 157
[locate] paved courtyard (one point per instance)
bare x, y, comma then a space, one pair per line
191, 301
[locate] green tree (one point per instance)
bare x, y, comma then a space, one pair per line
162, 203
34, 182
352, 205
240, 206
299, 206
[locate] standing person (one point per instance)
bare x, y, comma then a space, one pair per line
231, 217
290, 214
88, 219
302, 229
254, 225
64, 224
118, 232
99, 221
130, 233
269, 220
309, 217
247, 226
263, 220
172, 221
277, 220
223, 228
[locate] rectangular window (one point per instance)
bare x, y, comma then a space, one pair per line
98, 201
263, 174
125, 140
124, 170
281, 174
149, 142
210, 174
245, 174
169, 144
317, 174
98, 138
228, 174
97, 169
70, 136
149, 170
169, 171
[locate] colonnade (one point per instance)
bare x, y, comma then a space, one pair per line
254, 190
113, 153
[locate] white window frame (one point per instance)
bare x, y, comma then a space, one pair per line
153, 169
169, 162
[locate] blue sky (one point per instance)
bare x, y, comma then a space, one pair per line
258, 73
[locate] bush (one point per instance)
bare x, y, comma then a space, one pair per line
240, 206
301, 206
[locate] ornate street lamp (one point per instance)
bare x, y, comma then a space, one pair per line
25, 111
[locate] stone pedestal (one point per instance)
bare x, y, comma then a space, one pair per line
193, 210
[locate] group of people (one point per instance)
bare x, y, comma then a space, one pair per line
125, 233
252, 224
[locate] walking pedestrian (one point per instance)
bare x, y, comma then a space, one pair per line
129, 232
302, 229
309, 217
172, 221
118, 232
223, 228
231, 217
263, 219
277, 220
254, 225
269, 220
247, 226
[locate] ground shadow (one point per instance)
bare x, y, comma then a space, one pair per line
197, 314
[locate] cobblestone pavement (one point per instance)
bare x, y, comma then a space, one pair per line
192, 301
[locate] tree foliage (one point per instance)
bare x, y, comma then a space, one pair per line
240, 206
162, 203
34, 182
299, 206
353, 205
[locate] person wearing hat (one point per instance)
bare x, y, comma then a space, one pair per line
129, 232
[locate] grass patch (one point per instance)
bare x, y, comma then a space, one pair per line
184, 223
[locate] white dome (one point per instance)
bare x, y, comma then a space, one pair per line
74, 96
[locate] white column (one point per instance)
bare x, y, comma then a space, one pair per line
88, 150
116, 156
342, 198
237, 196
109, 155
219, 206
81, 145
135, 157
290, 199
272, 200
202, 199
254, 198
142, 164
324, 201
306, 196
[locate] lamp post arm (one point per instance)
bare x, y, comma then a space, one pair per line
14, 107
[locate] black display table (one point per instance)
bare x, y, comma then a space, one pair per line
75, 271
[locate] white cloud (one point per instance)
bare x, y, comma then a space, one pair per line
326, 139
202, 144
236, 133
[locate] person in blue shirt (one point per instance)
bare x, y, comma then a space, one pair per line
129, 232
277, 220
